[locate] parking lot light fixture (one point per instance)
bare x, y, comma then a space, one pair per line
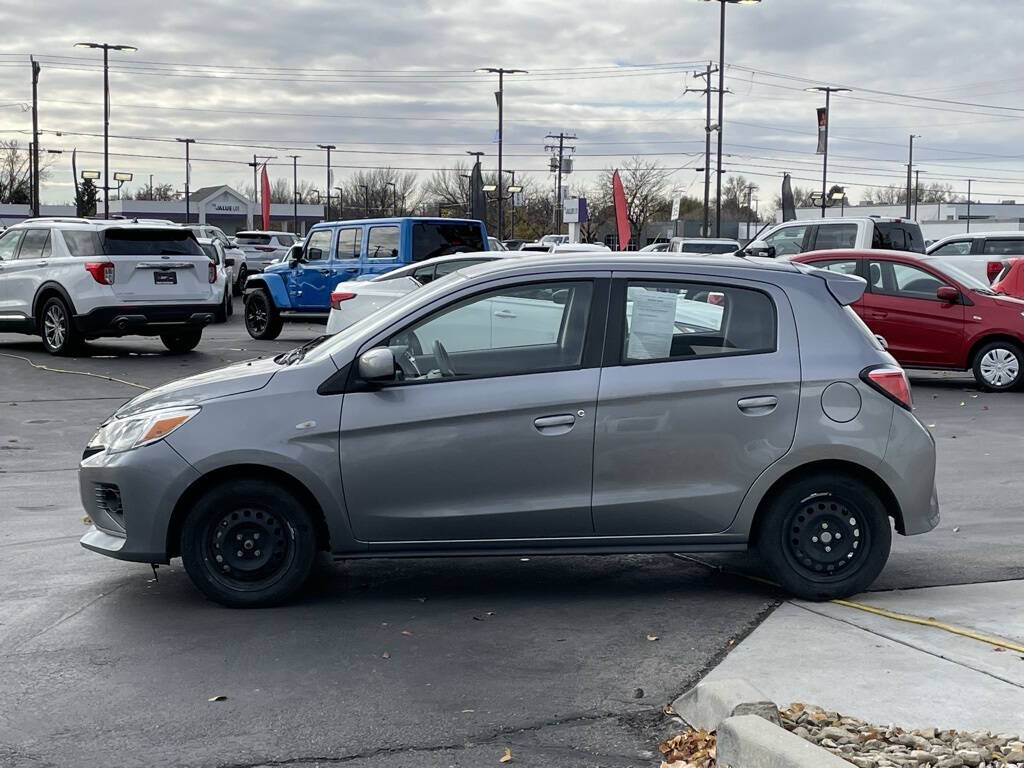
500, 98
828, 90
721, 96
92, 175
106, 48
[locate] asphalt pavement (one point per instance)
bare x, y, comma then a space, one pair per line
446, 662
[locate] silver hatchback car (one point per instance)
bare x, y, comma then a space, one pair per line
545, 405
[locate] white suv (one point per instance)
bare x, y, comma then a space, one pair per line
262, 248
71, 279
231, 251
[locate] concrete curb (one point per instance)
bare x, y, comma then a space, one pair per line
750, 733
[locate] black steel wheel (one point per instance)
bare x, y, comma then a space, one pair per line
248, 543
824, 536
262, 320
57, 329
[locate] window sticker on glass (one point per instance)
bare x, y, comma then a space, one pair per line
652, 323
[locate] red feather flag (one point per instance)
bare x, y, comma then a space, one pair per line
621, 214
265, 197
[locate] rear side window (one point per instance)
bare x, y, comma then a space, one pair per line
898, 236
286, 240
382, 243
35, 244
833, 236
349, 243
1008, 247
82, 242
150, 242
955, 248
438, 238
679, 321
447, 267
252, 239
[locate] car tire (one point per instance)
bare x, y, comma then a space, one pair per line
240, 282
230, 304
262, 320
57, 328
824, 536
180, 342
220, 315
999, 366
268, 525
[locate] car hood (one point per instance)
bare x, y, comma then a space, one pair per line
222, 382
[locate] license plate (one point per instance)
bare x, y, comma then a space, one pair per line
165, 278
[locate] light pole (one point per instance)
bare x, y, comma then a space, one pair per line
721, 97
295, 193
969, 204
917, 190
328, 147
394, 197
366, 199
188, 173
513, 189
341, 201
106, 47
499, 97
910, 167
828, 90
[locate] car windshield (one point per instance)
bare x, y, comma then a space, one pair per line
964, 278
150, 242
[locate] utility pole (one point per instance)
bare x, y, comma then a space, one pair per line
910, 167
969, 204
328, 147
34, 159
188, 172
295, 193
561, 136
917, 190
705, 228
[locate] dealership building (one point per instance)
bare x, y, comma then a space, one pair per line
221, 206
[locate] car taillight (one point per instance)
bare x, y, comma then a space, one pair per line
102, 271
339, 296
992, 269
891, 382
213, 273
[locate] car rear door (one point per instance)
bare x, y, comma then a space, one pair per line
382, 249
347, 262
499, 447
698, 396
156, 265
901, 306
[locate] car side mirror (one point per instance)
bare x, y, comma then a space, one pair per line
294, 255
948, 294
377, 364
229, 261
760, 248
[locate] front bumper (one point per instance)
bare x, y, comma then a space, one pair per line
145, 319
150, 481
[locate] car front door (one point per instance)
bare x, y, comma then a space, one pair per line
698, 397
789, 240
901, 306
480, 439
311, 282
9, 242
347, 263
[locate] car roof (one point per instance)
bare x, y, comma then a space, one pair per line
394, 220
1012, 234
619, 260
95, 223
264, 232
857, 253
729, 240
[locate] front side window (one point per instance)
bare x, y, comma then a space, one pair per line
9, 245
895, 279
1008, 247
510, 331
788, 240
668, 320
35, 245
955, 248
319, 245
833, 236
382, 243
349, 242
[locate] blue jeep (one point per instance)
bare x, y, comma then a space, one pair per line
300, 286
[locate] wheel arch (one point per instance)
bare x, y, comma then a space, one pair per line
273, 285
244, 472
849, 468
44, 292
978, 343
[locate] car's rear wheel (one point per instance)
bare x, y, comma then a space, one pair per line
999, 366
240, 282
248, 543
180, 342
262, 320
824, 536
57, 329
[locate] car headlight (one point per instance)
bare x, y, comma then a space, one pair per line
120, 435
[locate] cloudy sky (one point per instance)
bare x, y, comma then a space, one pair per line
392, 84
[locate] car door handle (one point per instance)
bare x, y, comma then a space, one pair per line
325, 271
878, 315
505, 313
554, 422
43, 263
352, 269
756, 406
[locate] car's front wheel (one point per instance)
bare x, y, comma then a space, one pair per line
240, 282
180, 342
57, 329
824, 536
262, 320
248, 543
999, 366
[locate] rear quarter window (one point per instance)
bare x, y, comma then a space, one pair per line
82, 242
898, 236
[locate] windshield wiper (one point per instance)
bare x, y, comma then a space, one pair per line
295, 355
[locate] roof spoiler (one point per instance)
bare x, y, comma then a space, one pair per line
846, 289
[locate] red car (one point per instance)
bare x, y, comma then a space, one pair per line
933, 315
1010, 278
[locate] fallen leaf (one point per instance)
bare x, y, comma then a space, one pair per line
962, 404
87, 520
956, 530
218, 698
984, 407
407, 633
385, 655
638, 693
931, 426
999, 649
652, 638
507, 757
467, 711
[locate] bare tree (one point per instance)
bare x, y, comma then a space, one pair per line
448, 189
16, 172
383, 191
162, 192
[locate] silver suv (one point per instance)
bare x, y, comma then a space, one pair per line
545, 405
